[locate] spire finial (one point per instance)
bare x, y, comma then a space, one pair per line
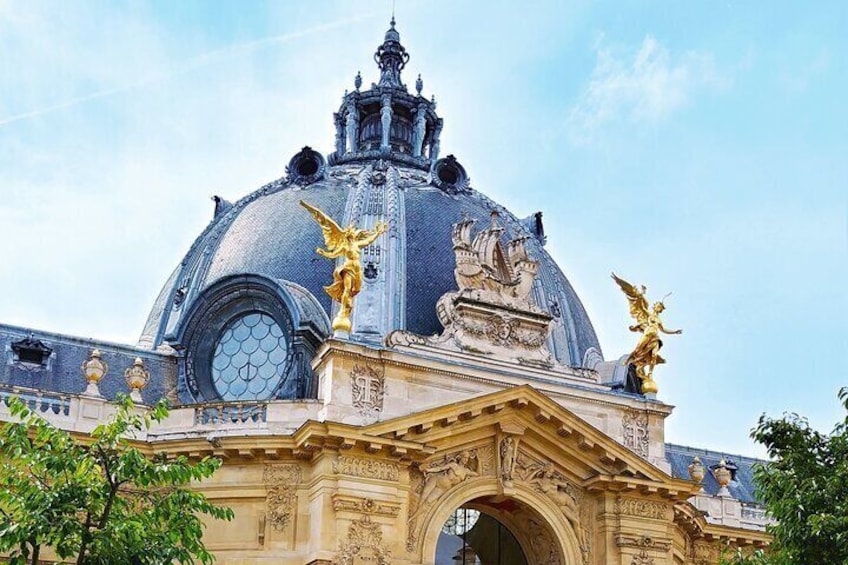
391, 57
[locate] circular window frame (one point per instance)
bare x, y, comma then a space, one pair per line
206, 327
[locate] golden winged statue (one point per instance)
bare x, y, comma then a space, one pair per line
347, 277
646, 356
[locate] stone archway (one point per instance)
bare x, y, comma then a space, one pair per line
541, 528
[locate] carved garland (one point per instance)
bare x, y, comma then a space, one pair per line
281, 482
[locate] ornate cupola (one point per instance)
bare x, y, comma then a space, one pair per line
386, 121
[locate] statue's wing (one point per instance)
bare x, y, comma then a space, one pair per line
638, 304
332, 231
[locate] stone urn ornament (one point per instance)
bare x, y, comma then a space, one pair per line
722, 476
93, 369
137, 377
697, 471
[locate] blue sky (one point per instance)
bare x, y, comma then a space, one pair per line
698, 148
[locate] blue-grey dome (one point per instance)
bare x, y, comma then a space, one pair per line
385, 168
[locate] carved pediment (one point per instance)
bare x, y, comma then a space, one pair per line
595, 459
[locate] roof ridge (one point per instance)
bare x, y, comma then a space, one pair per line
721, 454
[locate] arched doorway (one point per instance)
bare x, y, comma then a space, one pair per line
471, 536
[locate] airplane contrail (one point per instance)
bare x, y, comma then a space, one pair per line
189, 65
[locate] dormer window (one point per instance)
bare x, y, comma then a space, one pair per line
31, 351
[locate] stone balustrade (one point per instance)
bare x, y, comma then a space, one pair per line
81, 413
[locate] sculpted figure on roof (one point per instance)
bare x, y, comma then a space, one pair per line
646, 356
347, 278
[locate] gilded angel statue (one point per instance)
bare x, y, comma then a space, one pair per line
646, 356
347, 277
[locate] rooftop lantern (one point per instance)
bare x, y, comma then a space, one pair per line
386, 121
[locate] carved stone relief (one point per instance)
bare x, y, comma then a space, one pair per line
281, 482
642, 558
634, 425
367, 387
367, 468
641, 508
345, 503
641, 542
435, 478
364, 544
542, 544
705, 554
545, 479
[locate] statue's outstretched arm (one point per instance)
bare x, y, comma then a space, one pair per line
372, 237
329, 254
670, 332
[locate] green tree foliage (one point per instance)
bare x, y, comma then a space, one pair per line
805, 489
99, 501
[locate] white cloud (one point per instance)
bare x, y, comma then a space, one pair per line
645, 86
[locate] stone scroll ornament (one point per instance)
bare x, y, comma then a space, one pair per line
492, 313
646, 356
345, 244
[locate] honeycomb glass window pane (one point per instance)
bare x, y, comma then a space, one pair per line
249, 362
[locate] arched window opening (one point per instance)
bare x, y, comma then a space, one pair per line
472, 537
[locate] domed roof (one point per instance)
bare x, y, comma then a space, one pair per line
419, 195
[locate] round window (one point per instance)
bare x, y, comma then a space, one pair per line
249, 362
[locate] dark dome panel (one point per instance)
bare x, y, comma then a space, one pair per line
269, 234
